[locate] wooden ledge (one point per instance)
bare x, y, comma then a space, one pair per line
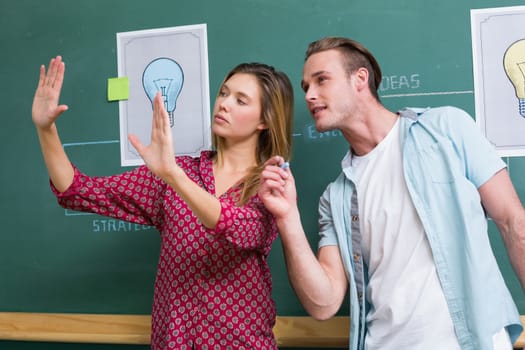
135, 329
290, 331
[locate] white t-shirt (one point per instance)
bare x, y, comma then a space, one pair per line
408, 308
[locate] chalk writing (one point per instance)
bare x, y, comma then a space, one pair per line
312, 135
111, 225
397, 82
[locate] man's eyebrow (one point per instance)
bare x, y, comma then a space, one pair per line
318, 73
313, 75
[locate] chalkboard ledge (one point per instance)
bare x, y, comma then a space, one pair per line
300, 331
290, 331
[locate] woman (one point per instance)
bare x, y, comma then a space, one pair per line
213, 284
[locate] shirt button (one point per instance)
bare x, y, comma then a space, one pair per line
355, 218
356, 257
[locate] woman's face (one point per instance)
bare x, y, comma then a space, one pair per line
237, 110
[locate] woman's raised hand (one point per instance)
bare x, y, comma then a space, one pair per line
45, 103
159, 155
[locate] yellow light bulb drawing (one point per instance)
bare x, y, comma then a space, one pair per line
514, 63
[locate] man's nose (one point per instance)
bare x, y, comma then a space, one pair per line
310, 94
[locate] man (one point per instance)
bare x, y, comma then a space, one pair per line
404, 224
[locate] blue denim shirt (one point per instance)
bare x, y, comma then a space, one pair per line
445, 161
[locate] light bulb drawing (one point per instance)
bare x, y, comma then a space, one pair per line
514, 63
164, 75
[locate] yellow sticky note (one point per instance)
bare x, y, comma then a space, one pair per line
118, 89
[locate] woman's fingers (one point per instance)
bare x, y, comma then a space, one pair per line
45, 107
162, 117
51, 71
59, 75
135, 142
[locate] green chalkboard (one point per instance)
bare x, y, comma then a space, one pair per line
52, 260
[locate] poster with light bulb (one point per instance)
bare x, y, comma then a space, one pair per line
173, 61
498, 46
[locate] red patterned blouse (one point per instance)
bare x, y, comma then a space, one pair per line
213, 287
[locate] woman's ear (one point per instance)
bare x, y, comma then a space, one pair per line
262, 125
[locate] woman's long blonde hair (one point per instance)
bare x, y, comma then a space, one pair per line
277, 113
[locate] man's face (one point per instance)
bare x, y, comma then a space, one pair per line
328, 89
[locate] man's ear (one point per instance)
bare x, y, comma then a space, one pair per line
361, 77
